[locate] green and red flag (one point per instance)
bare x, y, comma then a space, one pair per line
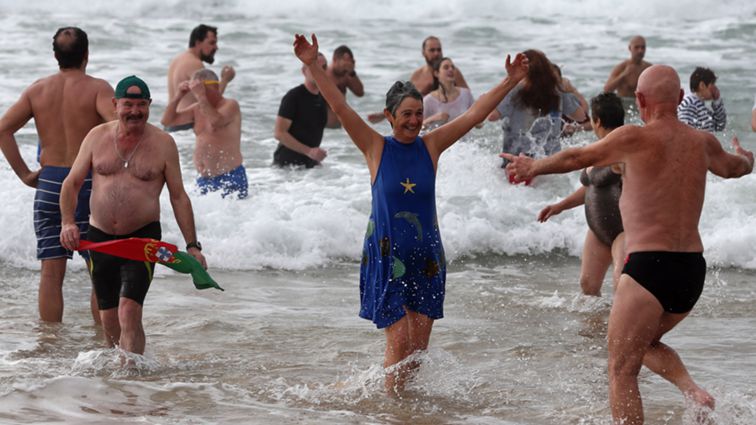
155, 251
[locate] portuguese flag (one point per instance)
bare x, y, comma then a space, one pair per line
154, 251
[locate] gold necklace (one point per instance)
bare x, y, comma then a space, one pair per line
115, 146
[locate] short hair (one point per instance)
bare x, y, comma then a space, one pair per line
398, 92
609, 109
205, 74
701, 74
341, 51
200, 33
320, 55
428, 38
71, 51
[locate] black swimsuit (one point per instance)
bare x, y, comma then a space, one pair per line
676, 279
603, 189
114, 276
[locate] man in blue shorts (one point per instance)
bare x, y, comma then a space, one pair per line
65, 106
664, 180
217, 126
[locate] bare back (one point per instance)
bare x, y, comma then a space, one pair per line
218, 151
126, 199
181, 69
65, 108
663, 188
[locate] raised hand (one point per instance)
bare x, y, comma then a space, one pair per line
184, 88
306, 52
198, 88
228, 73
517, 69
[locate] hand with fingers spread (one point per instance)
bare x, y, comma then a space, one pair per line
306, 52
517, 69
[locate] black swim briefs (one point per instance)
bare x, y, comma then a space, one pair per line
676, 279
114, 276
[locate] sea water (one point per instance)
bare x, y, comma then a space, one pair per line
283, 344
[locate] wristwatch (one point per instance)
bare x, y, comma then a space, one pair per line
194, 244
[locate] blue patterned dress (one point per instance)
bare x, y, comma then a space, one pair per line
403, 261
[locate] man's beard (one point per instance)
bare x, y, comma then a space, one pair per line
208, 58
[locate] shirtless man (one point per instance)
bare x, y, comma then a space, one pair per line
624, 76
217, 126
130, 162
422, 78
203, 43
342, 73
65, 106
665, 167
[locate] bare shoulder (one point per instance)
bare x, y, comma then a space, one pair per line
417, 73
160, 136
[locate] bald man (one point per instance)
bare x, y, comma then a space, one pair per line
664, 177
624, 76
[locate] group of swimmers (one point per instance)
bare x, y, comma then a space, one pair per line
104, 166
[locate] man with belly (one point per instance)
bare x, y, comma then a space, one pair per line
130, 162
217, 126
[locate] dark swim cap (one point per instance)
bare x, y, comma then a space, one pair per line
131, 81
398, 92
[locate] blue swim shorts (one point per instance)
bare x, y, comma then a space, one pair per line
234, 181
47, 212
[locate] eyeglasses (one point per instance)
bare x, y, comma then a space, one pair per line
210, 82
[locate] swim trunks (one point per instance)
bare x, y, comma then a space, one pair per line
180, 127
234, 181
602, 193
403, 263
47, 212
676, 279
114, 277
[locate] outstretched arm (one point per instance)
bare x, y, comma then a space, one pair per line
609, 150
729, 165
441, 138
366, 139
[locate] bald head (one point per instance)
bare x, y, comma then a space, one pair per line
637, 48
637, 39
659, 84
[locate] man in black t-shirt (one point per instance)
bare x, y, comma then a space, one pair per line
302, 116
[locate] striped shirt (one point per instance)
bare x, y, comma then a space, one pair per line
693, 111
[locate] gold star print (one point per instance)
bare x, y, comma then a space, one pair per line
408, 186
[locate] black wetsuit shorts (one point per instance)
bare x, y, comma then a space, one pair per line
115, 277
676, 279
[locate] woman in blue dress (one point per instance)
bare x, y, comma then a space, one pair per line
403, 270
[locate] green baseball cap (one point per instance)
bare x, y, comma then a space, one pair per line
131, 81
